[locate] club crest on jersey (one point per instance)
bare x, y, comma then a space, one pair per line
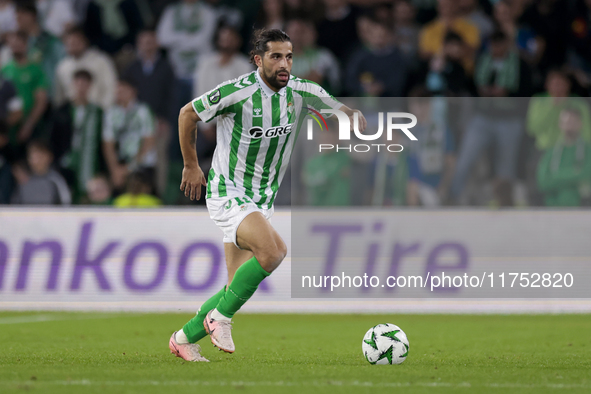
215, 96
290, 107
271, 132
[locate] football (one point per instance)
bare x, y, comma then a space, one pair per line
385, 344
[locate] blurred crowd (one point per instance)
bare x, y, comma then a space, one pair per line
90, 92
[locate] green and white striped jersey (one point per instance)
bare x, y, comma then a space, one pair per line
256, 130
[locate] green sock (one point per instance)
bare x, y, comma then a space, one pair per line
245, 282
194, 328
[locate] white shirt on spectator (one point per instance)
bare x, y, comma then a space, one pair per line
55, 15
128, 127
7, 18
210, 73
187, 30
104, 78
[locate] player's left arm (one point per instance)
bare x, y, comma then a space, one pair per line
330, 101
351, 114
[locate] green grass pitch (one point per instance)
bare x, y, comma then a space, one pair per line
48, 352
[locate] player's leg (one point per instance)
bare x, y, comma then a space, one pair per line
193, 331
234, 259
183, 342
256, 234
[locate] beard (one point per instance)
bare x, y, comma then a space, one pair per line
273, 80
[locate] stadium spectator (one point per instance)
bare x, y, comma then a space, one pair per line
471, 11
11, 111
580, 38
98, 191
138, 193
6, 183
337, 31
500, 72
128, 135
43, 47
544, 110
380, 68
495, 122
155, 82
82, 57
306, 9
271, 15
310, 61
41, 185
56, 15
76, 136
112, 24
406, 30
327, 176
564, 173
154, 76
551, 20
445, 73
389, 176
224, 64
11, 104
186, 30
31, 85
431, 161
531, 46
448, 19
7, 18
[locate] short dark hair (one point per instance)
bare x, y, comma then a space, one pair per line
28, 7
76, 30
262, 37
303, 20
222, 25
40, 144
129, 81
498, 36
83, 74
453, 37
559, 72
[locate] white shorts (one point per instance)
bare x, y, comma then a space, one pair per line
228, 212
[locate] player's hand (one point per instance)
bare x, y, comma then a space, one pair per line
193, 178
362, 121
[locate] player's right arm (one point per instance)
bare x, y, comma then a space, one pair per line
193, 176
214, 103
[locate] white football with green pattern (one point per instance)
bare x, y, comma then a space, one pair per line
385, 344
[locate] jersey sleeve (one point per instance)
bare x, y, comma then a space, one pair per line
316, 96
210, 104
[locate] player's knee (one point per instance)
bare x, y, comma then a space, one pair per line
282, 249
271, 257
